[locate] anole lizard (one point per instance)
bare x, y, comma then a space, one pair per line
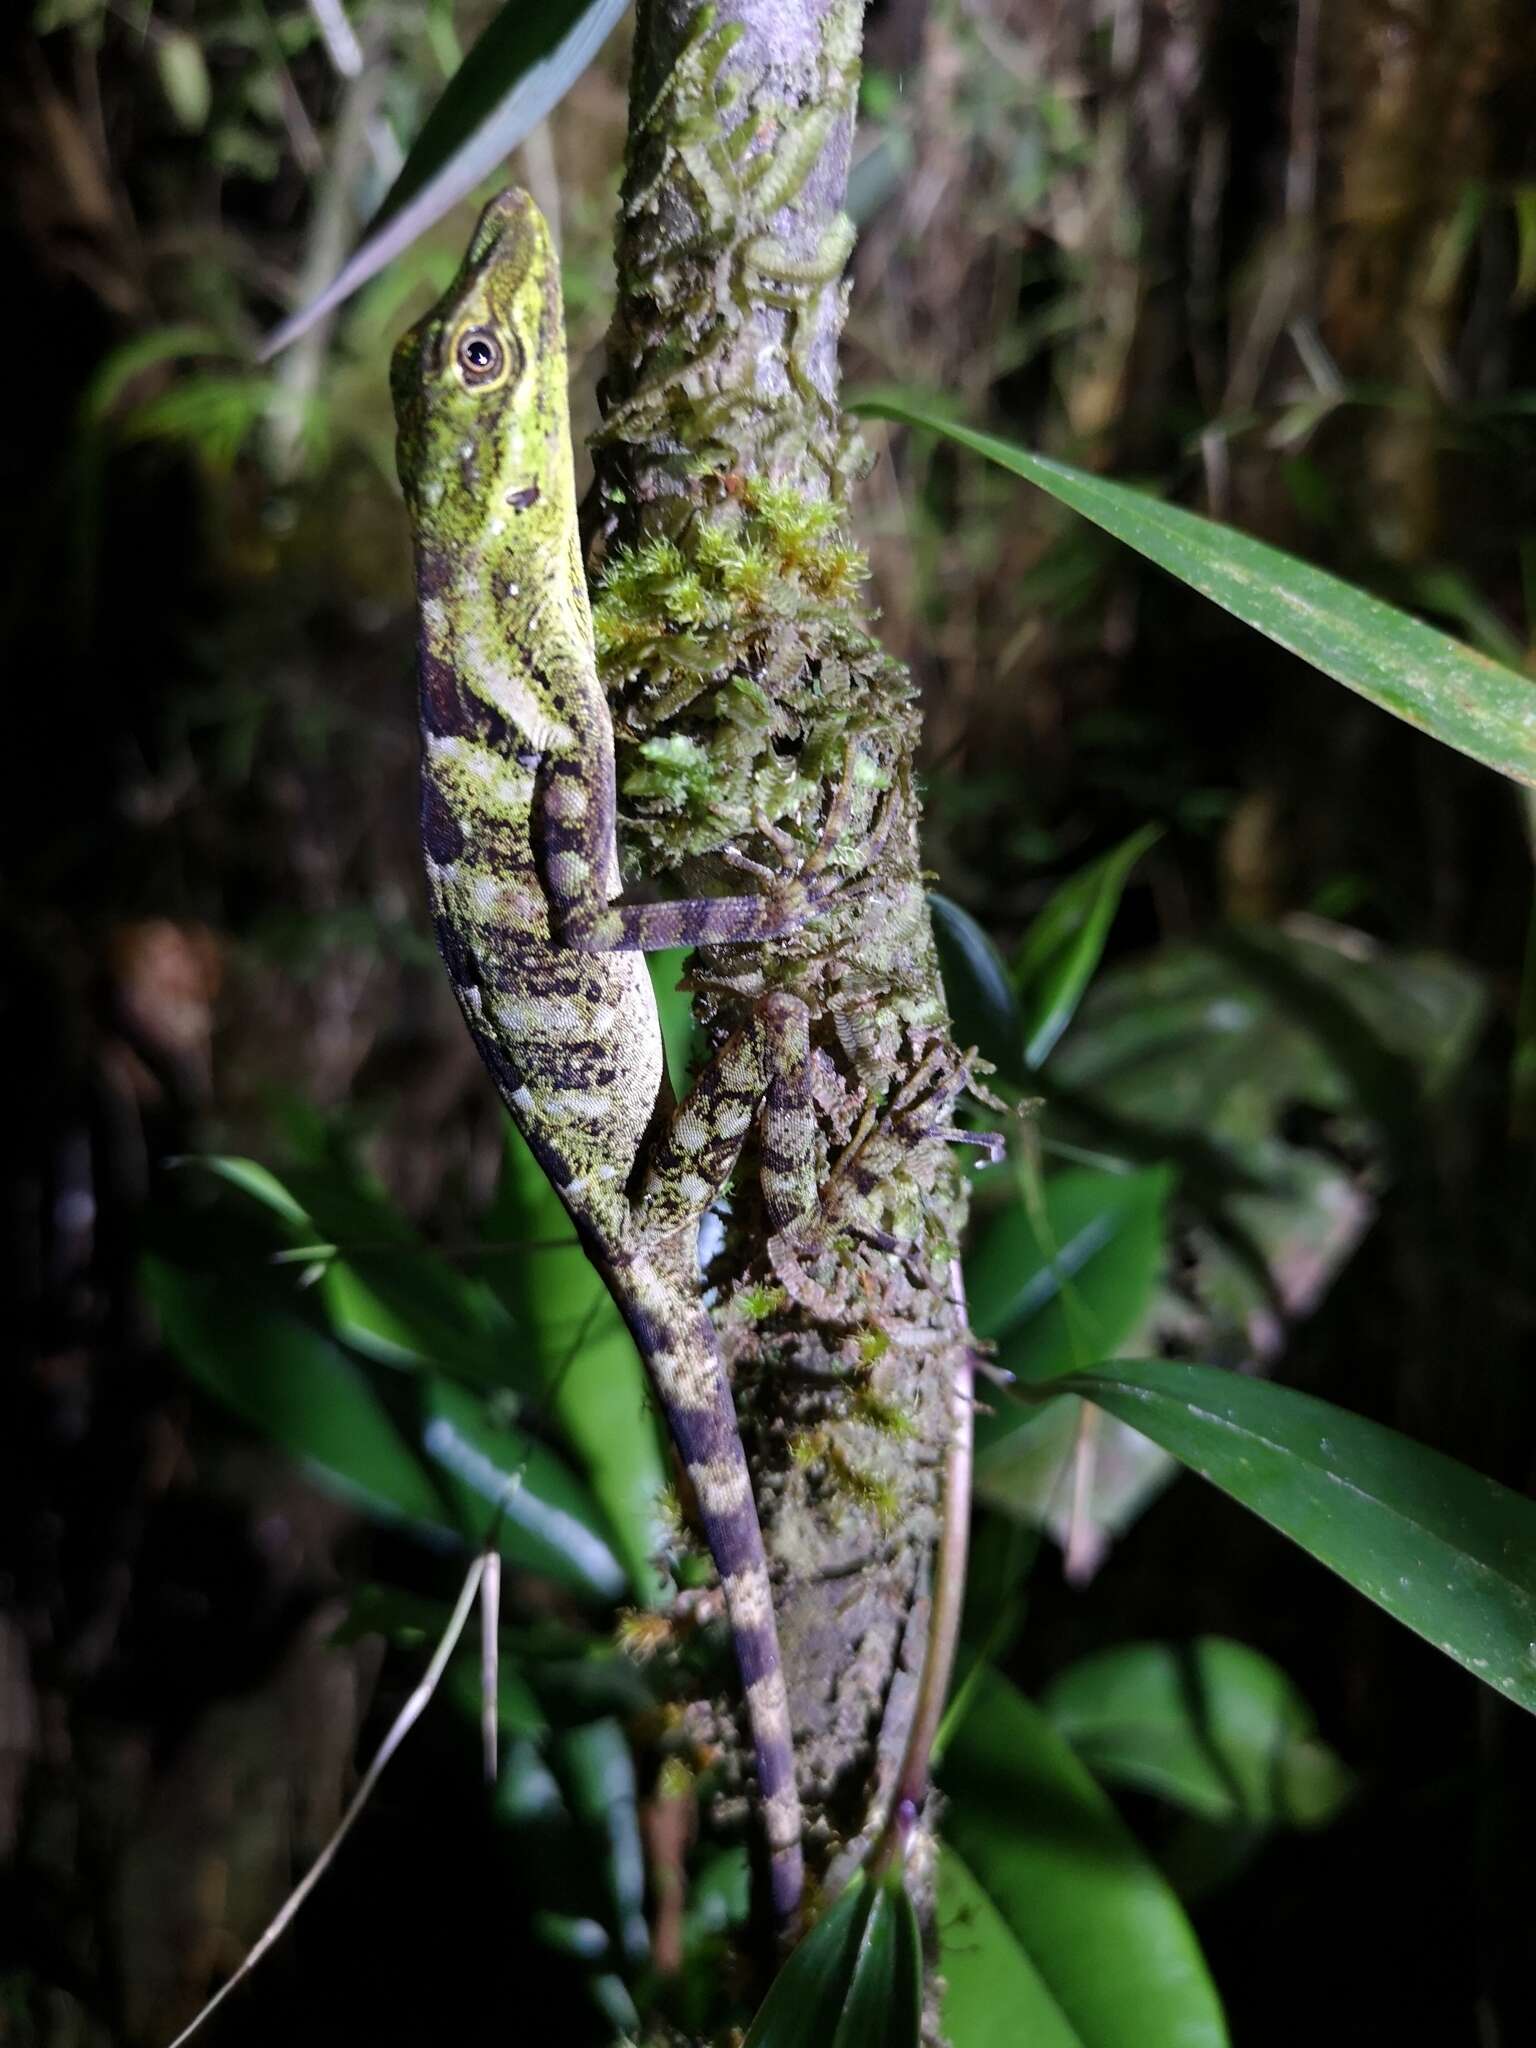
518, 821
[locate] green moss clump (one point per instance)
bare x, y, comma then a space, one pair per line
739, 666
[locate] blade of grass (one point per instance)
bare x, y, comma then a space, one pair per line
1429, 680
524, 64
1443, 1549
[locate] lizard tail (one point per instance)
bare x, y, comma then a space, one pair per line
677, 1341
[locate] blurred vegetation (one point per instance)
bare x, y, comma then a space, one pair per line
1277, 263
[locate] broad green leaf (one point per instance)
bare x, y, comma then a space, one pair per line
1094, 1922
1054, 1301
544, 1518
1204, 1055
411, 1309
855, 1981
1211, 1726
566, 1880
1069, 1293
719, 1897
295, 1386
1426, 678
1443, 1549
994, 1997
394, 1298
526, 60
1220, 1039
806, 1996
581, 1357
981, 996
1057, 956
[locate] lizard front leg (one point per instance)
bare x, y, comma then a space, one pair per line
574, 822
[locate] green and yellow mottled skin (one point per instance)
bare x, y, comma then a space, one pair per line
518, 820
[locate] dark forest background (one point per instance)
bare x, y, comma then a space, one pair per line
1277, 259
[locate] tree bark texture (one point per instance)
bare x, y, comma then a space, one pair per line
750, 699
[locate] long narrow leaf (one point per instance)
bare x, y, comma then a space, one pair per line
1431, 681
583, 1359
855, 1981
294, 1385
981, 997
1441, 1548
543, 1517
524, 64
1058, 954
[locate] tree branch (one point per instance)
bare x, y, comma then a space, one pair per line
747, 688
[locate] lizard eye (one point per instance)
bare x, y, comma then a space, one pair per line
481, 358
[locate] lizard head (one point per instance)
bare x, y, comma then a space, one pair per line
479, 388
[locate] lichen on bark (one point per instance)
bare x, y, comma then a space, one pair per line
748, 690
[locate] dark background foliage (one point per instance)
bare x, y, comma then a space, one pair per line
1277, 260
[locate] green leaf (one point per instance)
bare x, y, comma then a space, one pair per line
257, 1181
719, 1897
184, 78
293, 1385
412, 1310
517, 1708
118, 368
598, 1766
1423, 677
1055, 1290
582, 1358
544, 1517
1216, 1042
855, 1981
994, 1996
680, 1033
395, 1299
1066, 1287
1443, 1549
523, 64
386, 1293
1211, 1726
1096, 1927
981, 996
1202, 1055
883, 2006
1059, 953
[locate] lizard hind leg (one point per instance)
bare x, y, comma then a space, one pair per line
763, 1071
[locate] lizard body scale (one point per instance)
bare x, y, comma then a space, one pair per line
518, 822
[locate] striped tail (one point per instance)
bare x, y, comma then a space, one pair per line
677, 1341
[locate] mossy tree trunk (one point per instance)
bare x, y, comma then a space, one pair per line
748, 691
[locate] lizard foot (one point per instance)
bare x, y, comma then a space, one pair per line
799, 888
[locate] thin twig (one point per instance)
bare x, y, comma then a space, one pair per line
911, 1787
490, 1659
